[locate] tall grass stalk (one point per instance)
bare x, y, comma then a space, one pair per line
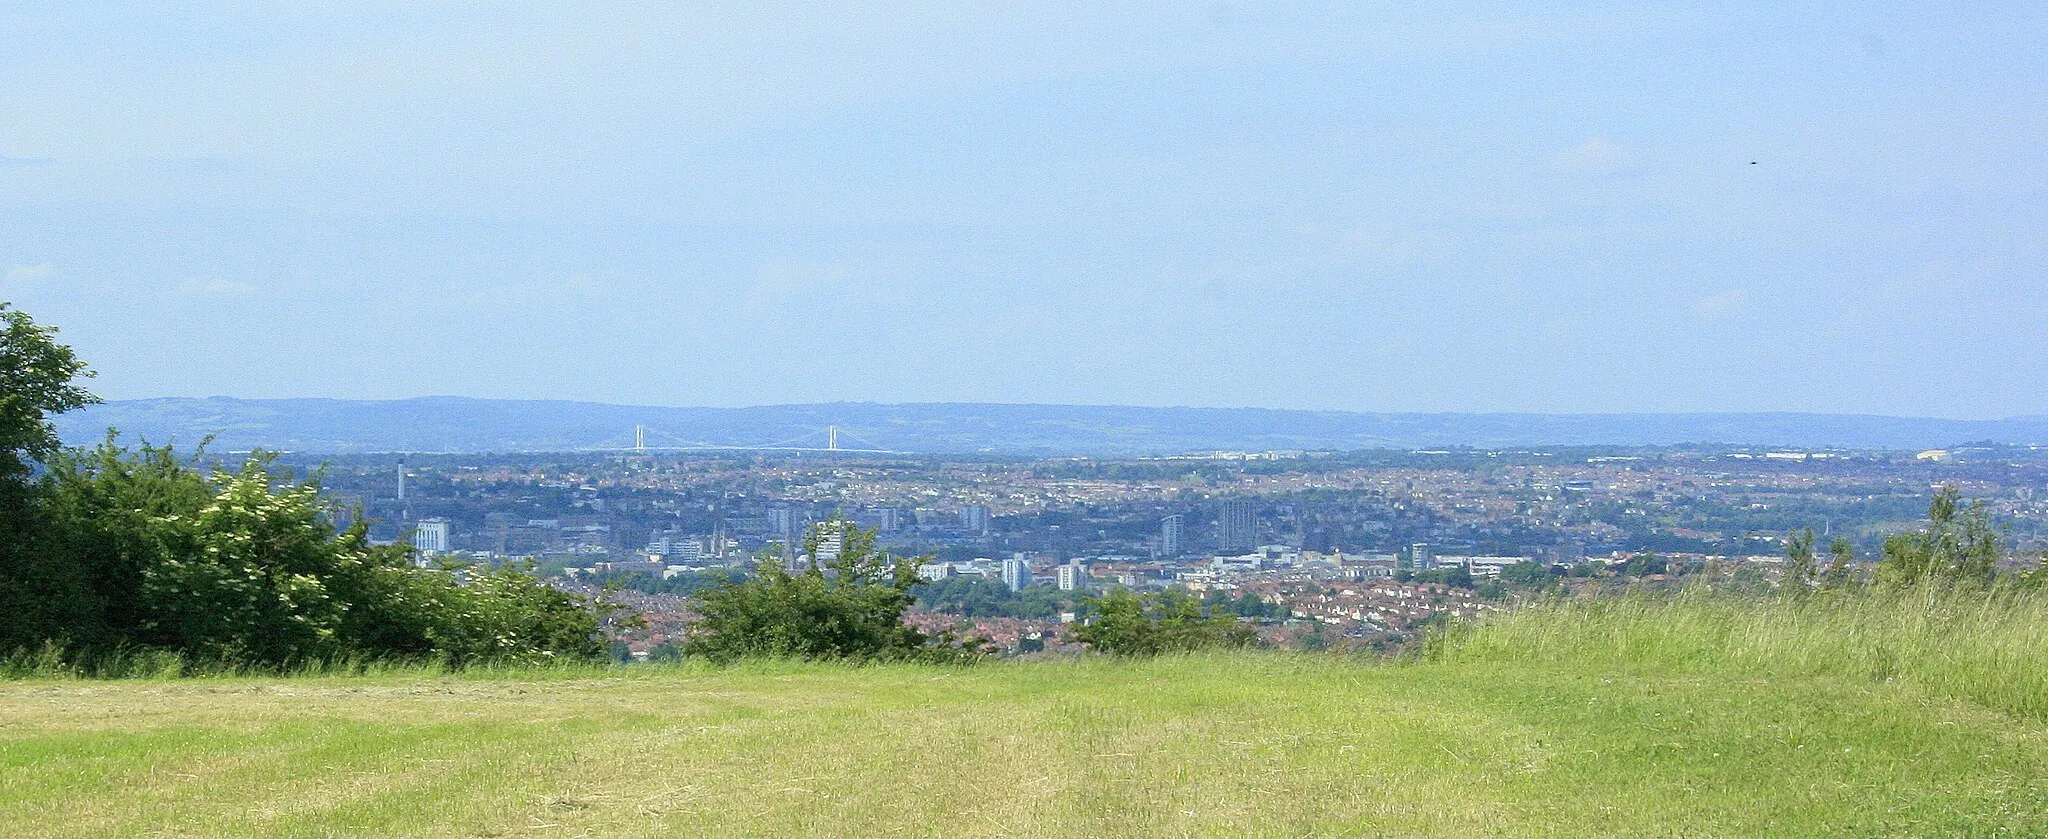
53, 661
1988, 646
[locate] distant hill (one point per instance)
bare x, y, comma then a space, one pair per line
451, 424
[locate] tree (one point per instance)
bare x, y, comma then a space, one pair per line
110, 550
234, 568
1959, 543
1643, 565
1840, 556
1120, 625
36, 380
2037, 579
1799, 561
1245, 605
847, 604
1528, 574
39, 596
506, 614
974, 596
1127, 624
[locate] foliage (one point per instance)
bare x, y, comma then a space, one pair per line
37, 595
36, 380
1128, 624
685, 584
1800, 564
1958, 543
1841, 560
507, 614
1456, 576
1246, 605
1528, 574
847, 604
1643, 565
113, 555
979, 597
143, 551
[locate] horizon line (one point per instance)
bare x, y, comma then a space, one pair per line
938, 403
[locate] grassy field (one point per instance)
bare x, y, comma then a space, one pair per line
1725, 727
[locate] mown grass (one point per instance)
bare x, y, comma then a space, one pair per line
1690, 717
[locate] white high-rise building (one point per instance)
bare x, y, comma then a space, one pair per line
974, 520
1239, 524
1172, 535
430, 536
1073, 576
669, 543
821, 543
1017, 573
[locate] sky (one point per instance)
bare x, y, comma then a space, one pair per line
1376, 206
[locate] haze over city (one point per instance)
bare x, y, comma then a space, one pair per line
1359, 206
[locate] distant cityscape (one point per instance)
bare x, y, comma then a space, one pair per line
1314, 547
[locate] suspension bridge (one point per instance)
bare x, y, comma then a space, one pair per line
831, 438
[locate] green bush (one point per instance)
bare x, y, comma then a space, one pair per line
980, 597
115, 561
844, 606
234, 569
1128, 624
38, 596
1958, 543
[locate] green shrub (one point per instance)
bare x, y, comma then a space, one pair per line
234, 570
1958, 543
847, 605
1128, 624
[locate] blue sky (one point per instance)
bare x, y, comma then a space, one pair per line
1361, 205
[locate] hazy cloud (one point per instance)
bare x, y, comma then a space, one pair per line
1721, 306
28, 273
783, 282
1955, 274
1387, 245
214, 287
1597, 156
553, 291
